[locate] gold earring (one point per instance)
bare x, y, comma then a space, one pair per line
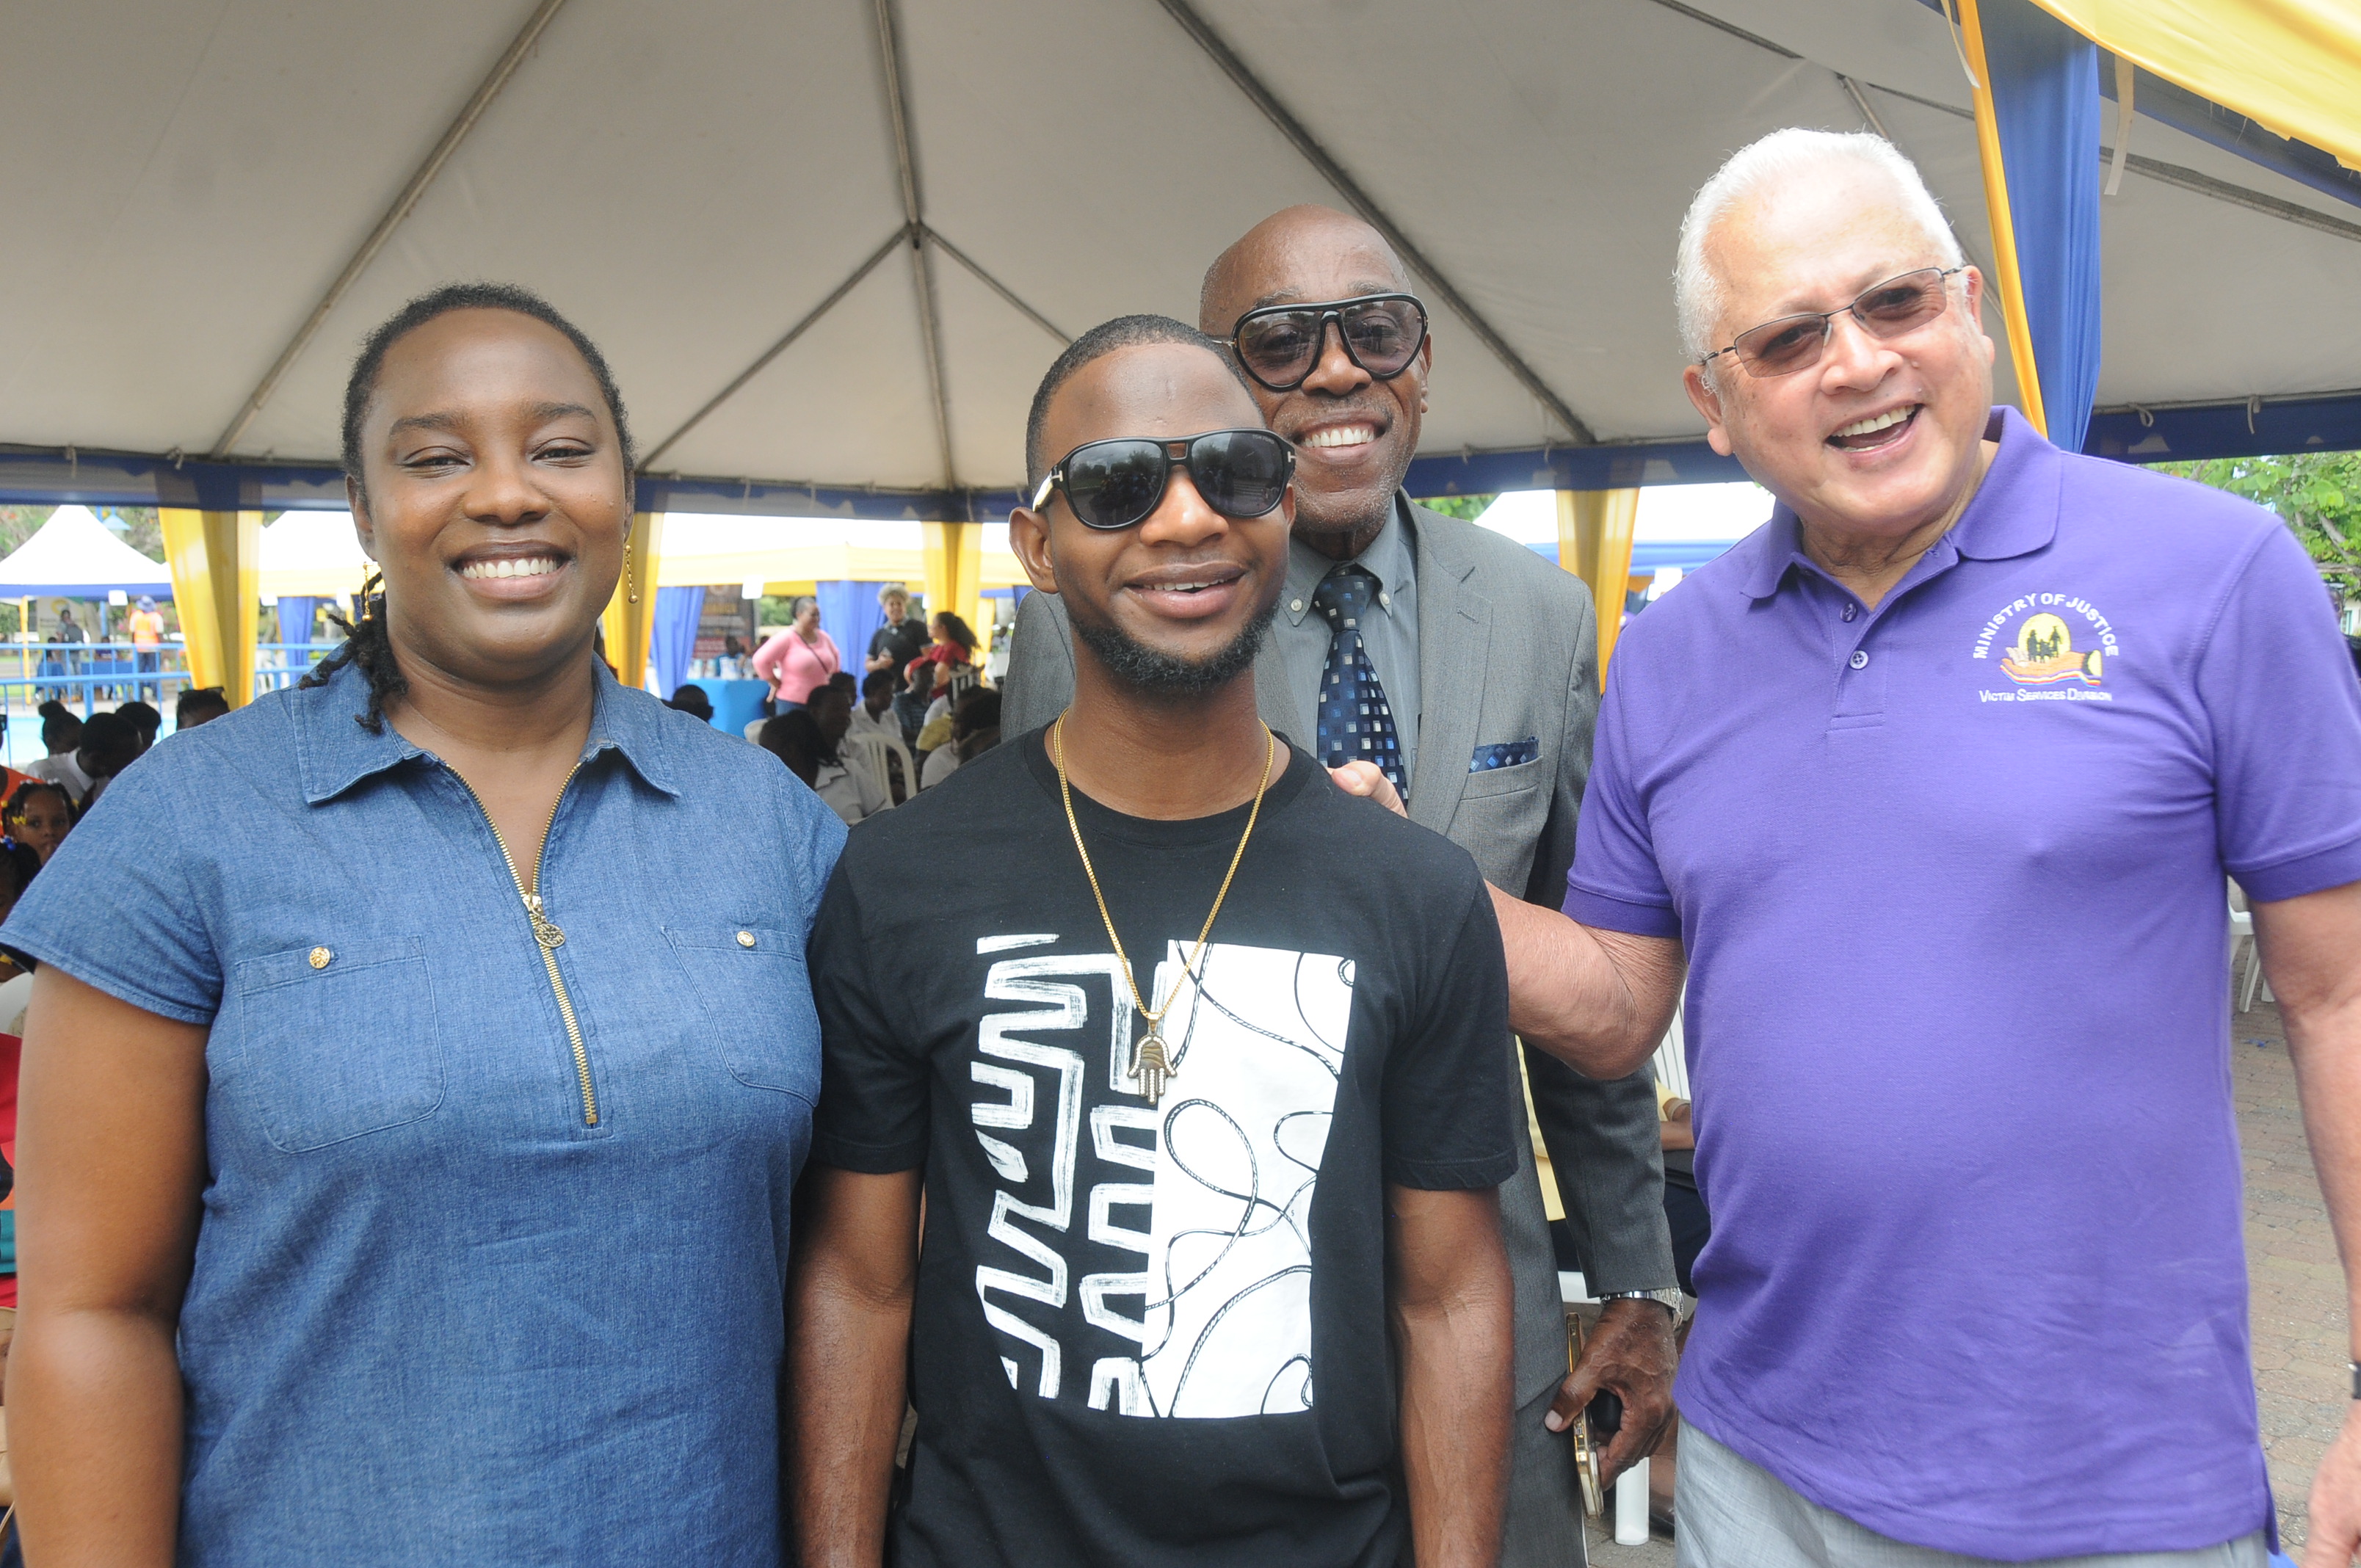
631, 589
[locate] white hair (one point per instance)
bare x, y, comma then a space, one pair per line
1774, 161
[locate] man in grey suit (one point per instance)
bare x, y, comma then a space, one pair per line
1465, 666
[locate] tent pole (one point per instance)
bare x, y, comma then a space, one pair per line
403, 205
216, 562
922, 272
1594, 542
630, 614
795, 332
1309, 148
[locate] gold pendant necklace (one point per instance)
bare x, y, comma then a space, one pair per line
1151, 1063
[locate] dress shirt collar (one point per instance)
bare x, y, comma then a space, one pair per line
1391, 558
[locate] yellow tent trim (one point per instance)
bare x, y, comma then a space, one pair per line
2293, 66
2010, 283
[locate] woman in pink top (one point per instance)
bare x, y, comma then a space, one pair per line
796, 660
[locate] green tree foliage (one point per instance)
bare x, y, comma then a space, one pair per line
1466, 507
2317, 494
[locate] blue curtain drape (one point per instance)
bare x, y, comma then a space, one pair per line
295, 617
671, 636
2045, 90
849, 612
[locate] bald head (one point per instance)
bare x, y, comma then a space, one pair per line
1264, 266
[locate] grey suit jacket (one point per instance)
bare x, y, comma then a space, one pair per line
1508, 651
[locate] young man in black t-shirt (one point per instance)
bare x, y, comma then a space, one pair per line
1213, 1271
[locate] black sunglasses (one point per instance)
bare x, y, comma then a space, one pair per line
1890, 309
1114, 484
1280, 346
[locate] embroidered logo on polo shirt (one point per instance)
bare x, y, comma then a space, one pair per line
2034, 641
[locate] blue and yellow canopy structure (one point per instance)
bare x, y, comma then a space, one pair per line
828, 271
2290, 68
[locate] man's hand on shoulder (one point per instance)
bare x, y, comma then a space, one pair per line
1364, 779
1629, 1355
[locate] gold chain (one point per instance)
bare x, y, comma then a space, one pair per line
1149, 1062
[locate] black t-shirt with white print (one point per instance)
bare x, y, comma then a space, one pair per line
1150, 1335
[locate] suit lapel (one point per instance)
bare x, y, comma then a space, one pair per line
1455, 640
1275, 697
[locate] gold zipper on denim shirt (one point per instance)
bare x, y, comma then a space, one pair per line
545, 934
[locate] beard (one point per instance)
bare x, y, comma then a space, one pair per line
1168, 676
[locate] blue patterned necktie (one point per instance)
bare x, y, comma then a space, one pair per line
1356, 723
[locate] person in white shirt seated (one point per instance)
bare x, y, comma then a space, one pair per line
976, 729
874, 723
807, 740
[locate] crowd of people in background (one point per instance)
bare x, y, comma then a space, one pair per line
919, 709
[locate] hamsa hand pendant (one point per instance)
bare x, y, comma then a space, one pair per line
1149, 1067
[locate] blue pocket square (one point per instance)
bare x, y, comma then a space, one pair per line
1507, 754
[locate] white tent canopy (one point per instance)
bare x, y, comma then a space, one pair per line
726, 198
74, 555
312, 554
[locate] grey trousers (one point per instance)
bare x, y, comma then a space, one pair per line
1735, 1513
1543, 1529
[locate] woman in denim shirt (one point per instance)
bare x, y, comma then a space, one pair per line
420, 1062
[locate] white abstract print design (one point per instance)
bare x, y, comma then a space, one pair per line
1204, 1201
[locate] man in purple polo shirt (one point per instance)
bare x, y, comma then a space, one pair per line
1934, 781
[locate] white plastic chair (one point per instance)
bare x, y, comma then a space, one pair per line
870, 751
1671, 1062
2246, 954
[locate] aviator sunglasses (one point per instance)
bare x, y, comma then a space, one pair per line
1114, 484
1887, 309
1280, 344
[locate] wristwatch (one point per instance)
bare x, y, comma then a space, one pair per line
1670, 1301
2355, 1367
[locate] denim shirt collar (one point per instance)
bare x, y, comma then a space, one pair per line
2013, 512
335, 752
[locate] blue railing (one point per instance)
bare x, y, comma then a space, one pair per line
89, 673
278, 665
90, 676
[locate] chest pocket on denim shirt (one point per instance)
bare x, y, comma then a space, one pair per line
338, 1039
756, 993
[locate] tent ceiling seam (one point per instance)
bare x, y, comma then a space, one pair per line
402, 206
1735, 31
1310, 148
922, 274
1006, 294
810, 319
2154, 168
2235, 196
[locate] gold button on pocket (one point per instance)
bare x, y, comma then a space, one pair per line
745, 938
320, 956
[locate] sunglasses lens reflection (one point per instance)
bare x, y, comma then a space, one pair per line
1902, 305
1385, 335
1777, 348
1113, 484
1241, 473
1279, 348
1893, 308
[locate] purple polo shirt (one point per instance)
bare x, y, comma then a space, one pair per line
1949, 876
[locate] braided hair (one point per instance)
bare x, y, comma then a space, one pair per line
366, 645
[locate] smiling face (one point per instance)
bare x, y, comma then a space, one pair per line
495, 499
1880, 438
1354, 435
42, 825
1176, 604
